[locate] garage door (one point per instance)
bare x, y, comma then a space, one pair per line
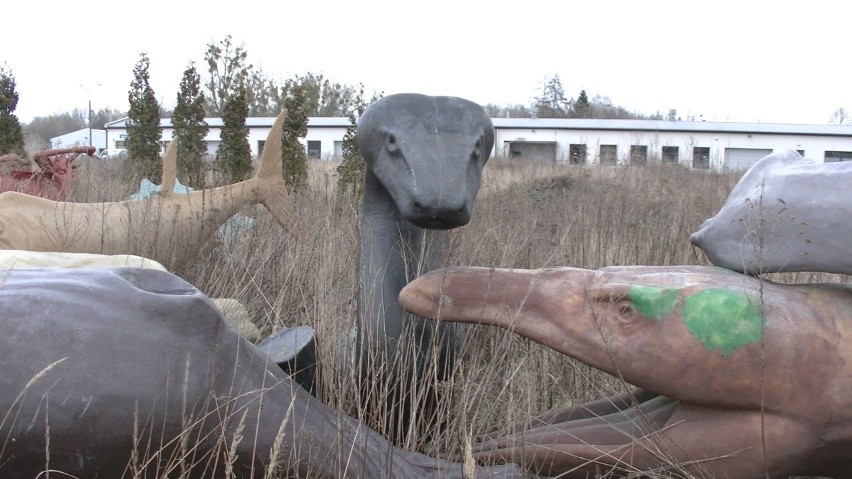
540, 151
743, 158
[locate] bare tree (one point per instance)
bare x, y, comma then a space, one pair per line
226, 67
551, 103
840, 117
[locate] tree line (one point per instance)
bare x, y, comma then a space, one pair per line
228, 86
231, 89
551, 102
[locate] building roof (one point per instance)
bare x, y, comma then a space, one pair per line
576, 124
252, 121
80, 137
672, 126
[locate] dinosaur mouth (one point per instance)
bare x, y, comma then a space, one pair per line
436, 223
603, 432
438, 219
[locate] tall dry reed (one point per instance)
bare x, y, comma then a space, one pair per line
526, 217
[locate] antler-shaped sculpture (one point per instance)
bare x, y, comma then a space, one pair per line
169, 228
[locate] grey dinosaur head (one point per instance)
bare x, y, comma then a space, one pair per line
428, 152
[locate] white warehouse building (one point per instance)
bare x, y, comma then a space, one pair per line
700, 145
324, 139
80, 138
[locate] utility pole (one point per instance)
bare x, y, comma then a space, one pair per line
89, 113
90, 122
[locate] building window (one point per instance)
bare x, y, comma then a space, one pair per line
164, 144
670, 155
260, 145
701, 157
833, 156
638, 155
338, 149
577, 154
314, 149
609, 155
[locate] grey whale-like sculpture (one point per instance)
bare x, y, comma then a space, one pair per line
125, 372
785, 214
425, 156
740, 377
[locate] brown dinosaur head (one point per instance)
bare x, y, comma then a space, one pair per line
723, 361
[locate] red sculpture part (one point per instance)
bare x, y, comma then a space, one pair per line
52, 182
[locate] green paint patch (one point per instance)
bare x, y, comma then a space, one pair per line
723, 319
653, 302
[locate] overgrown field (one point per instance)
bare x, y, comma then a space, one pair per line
526, 217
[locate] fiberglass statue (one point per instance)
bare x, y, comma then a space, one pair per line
129, 372
425, 156
737, 376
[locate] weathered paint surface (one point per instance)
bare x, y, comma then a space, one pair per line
723, 319
424, 157
733, 383
654, 302
787, 213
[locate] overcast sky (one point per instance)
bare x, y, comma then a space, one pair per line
717, 60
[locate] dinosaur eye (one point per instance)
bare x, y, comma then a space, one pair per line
392, 145
477, 149
626, 313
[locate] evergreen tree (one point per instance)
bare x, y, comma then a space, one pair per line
190, 129
143, 127
351, 171
581, 108
233, 158
11, 135
295, 160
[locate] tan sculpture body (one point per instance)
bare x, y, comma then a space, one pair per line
739, 377
169, 228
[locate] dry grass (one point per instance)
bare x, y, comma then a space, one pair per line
532, 217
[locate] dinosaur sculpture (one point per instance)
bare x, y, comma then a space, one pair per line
230, 231
739, 377
785, 214
169, 228
140, 376
424, 158
293, 349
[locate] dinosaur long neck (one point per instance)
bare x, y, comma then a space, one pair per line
393, 251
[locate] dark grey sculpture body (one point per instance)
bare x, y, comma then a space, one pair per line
424, 160
785, 214
127, 372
